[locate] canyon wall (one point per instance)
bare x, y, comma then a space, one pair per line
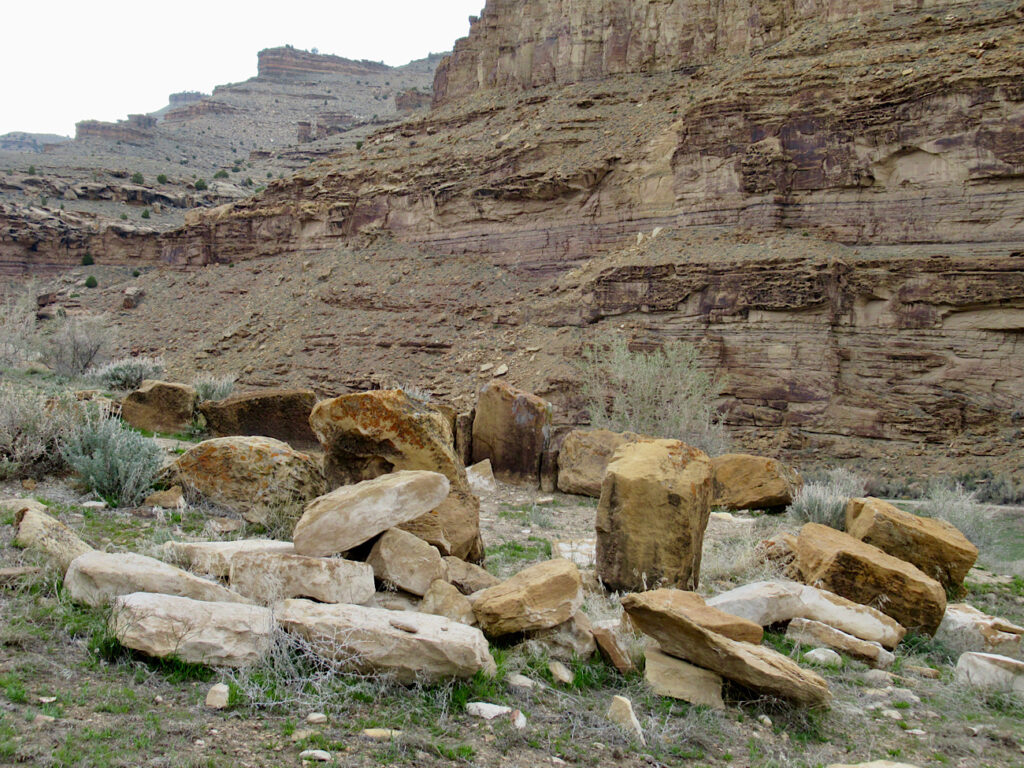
287, 63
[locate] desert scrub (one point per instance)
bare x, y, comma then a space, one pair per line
113, 461
953, 503
128, 372
662, 393
32, 427
824, 501
17, 329
77, 344
212, 387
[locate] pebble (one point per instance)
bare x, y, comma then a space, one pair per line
877, 677
316, 718
486, 710
381, 734
915, 732
518, 719
825, 657
764, 720
316, 755
501, 370
43, 720
298, 736
560, 672
217, 696
520, 683
892, 714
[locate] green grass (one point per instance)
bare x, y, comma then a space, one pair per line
512, 553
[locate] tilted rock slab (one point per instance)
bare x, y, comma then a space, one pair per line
933, 545
678, 679
406, 561
258, 477
353, 514
965, 628
692, 605
654, 507
742, 481
754, 666
96, 578
367, 434
36, 529
213, 633
214, 557
838, 562
411, 646
271, 576
584, 456
512, 428
772, 602
815, 633
538, 597
990, 671
282, 414
160, 406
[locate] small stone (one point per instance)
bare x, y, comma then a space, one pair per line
620, 712
47, 699
518, 719
217, 696
43, 720
316, 718
560, 672
915, 732
905, 695
764, 720
520, 683
158, 699
501, 370
892, 714
29, 484
824, 657
93, 505
487, 711
486, 367
877, 677
315, 755
381, 734
926, 672
544, 501
303, 734
199, 743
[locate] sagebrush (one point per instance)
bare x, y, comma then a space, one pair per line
128, 372
211, 387
824, 501
951, 502
32, 427
18, 341
78, 344
116, 463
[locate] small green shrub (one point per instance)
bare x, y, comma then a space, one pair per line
211, 387
124, 217
88, 260
90, 282
113, 461
221, 174
201, 185
137, 178
359, 145
135, 273
145, 213
825, 501
31, 170
129, 372
161, 179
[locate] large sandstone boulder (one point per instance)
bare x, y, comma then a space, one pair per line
538, 597
692, 605
742, 481
964, 628
838, 562
38, 530
264, 480
678, 679
773, 602
989, 671
933, 545
96, 578
511, 428
160, 406
410, 646
214, 557
271, 576
367, 434
279, 413
583, 459
353, 514
405, 561
754, 666
654, 507
213, 633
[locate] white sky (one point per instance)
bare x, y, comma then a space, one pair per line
62, 61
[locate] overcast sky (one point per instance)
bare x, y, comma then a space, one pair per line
61, 61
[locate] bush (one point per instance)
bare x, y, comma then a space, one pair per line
31, 431
17, 328
137, 178
90, 282
88, 260
212, 387
145, 213
221, 174
124, 217
201, 185
825, 501
956, 505
113, 461
129, 372
161, 179
77, 344
664, 393
31, 170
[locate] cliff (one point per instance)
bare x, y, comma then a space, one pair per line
286, 63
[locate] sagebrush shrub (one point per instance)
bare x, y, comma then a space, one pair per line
825, 501
32, 427
956, 505
77, 344
18, 341
211, 387
128, 372
113, 461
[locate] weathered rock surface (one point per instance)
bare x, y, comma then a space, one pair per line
352, 514
692, 606
965, 628
933, 545
405, 561
271, 576
570, 639
654, 507
214, 557
443, 599
214, 633
160, 406
282, 414
620, 712
411, 646
511, 428
368, 434
468, 577
669, 676
990, 671
815, 633
96, 578
742, 481
263, 479
836, 561
538, 597
753, 666
583, 459
481, 477
611, 649
39, 530
772, 602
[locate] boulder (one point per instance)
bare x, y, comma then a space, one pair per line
410, 646
774, 602
264, 480
271, 576
279, 413
692, 605
815, 633
407, 562
990, 671
933, 545
214, 557
540, 596
353, 514
742, 481
37, 530
677, 679
160, 406
651, 518
213, 633
823, 657
611, 649
856, 570
965, 628
467, 577
443, 599
620, 712
481, 477
172, 498
572, 639
511, 428
754, 666
367, 434
583, 459
96, 578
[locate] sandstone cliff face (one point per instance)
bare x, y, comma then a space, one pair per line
286, 63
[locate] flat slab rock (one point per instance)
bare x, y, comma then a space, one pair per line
39, 530
990, 671
271, 576
678, 679
811, 632
964, 628
410, 646
214, 557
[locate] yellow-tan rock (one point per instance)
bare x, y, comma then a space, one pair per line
443, 599
160, 406
271, 576
41, 531
538, 597
405, 561
654, 507
742, 481
214, 557
468, 577
933, 545
583, 459
692, 605
858, 571
678, 679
